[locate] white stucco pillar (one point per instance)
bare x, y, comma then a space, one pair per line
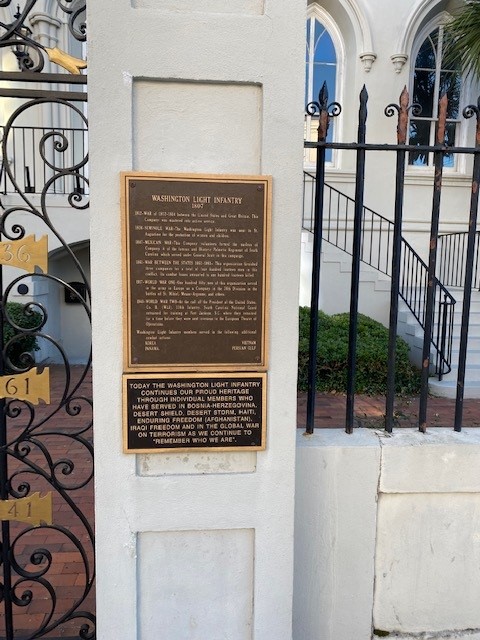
46, 31
196, 545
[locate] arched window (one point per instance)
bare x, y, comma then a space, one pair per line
321, 65
321, 61
432, 78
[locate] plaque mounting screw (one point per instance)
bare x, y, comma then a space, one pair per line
133, 184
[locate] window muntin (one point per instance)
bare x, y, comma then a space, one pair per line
320, 67
431, 80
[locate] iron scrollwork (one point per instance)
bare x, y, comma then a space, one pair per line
47, 446
470, 111
17, 34
403, 109
76, 11
324, 111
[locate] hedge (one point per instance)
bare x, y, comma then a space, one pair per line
28, 342
372, 355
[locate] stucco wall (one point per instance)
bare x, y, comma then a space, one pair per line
385, 28
387, 535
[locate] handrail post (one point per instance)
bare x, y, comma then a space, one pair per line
444, 337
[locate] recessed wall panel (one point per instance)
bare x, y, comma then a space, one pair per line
241, 7
195, 585
427, 562
196, 127
196, 463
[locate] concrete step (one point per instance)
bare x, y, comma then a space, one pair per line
457, 293
335, 256
412, 327
474, 316
472, 373
473, 356
473, 324
473, 342
447, 388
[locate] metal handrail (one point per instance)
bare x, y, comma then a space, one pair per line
376, 251
63, 147
452, 252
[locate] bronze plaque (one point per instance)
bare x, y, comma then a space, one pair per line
193, 413
196, 271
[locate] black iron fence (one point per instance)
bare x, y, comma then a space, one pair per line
376, 250
371, 238
36, 154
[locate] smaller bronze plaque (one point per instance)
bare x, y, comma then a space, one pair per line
186, 412
31, 386
26, 253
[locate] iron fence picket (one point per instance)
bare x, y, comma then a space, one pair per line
356, 258
467, 289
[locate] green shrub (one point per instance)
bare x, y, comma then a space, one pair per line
27, 320
372, 354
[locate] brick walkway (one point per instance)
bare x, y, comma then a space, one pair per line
66, 572
370, 410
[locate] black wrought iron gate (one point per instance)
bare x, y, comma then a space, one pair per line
46, 449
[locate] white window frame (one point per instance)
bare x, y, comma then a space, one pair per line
316, 12
459, 167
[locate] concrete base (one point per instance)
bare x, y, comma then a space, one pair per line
386, 538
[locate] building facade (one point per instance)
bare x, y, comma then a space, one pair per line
387, 48
200, 544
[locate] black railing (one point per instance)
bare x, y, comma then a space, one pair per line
28, 171
452, 252
411, 278
376, 250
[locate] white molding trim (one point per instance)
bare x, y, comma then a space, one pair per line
40, 17
360, 26
317, 12
414, 24
424, 29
